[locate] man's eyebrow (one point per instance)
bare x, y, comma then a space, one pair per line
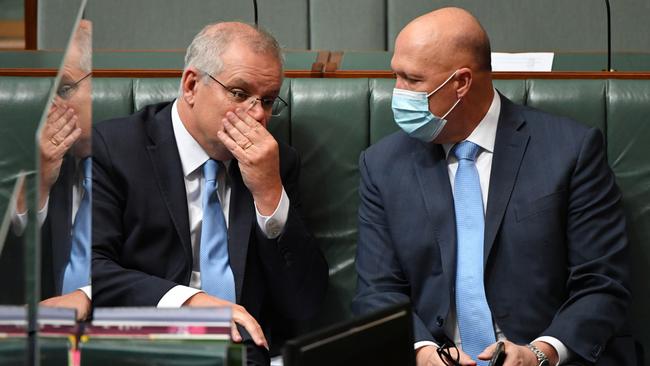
246, 86
240, 83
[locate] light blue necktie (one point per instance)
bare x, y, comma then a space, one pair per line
77, 271
216, 275
474, 317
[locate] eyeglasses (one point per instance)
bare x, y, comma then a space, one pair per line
65, 91
448, 353
275, 105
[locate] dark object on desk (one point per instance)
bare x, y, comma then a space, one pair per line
381, 338
498, 356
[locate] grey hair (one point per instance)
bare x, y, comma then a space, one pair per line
83, 40
207, 47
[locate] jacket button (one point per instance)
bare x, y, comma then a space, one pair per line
440, 321
595, 352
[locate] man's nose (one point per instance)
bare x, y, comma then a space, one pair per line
256, 111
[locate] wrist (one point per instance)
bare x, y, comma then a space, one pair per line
267, 201
544, 353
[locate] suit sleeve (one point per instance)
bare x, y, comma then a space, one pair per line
293, 263
597, 248
381, 281
113, 284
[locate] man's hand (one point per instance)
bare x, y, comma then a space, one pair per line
258, 155
59, 134
428, 356
239, 316
75, 300
521, 355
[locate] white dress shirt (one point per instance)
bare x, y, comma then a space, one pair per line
192, 158
484, 135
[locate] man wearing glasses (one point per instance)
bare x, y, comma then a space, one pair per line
196, 204
65, 148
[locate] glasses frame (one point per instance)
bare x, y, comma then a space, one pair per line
444, 354
72, 87
253, 99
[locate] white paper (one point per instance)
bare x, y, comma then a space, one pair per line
530, 61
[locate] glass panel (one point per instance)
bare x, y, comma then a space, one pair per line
25, 104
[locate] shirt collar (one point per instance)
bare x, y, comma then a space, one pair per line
191, 153
485, 132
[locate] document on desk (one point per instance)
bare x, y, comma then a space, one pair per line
530, 61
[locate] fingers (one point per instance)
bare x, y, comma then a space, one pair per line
241, 316
487, 352
236, 337
60, 131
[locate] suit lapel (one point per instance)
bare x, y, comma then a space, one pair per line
430, 166
60, 220
168, 171
241, 216
509, 148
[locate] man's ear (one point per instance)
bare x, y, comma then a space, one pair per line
463, 81
189, 84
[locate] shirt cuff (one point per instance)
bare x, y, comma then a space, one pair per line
560, 348
273, 225
421, 344
19, 223
87, 290
176, 297
41, 215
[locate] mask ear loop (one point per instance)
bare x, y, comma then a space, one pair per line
443, 84
452, 108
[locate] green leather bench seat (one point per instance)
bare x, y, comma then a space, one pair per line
330, 121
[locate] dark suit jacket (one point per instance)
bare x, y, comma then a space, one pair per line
141, 235
56, 235
556, 253
55, 243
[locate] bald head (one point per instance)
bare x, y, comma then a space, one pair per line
448, 37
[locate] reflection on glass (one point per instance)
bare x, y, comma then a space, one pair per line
65, 179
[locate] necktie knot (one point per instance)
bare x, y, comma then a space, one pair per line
210, 170
466, 150
87, 166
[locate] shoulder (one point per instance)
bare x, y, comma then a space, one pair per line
392, 149
556, 133
122, 127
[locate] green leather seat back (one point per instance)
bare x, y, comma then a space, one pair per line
329, 127
112, 97
582, 100
382, 122
628, 137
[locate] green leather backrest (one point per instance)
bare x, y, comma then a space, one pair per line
628, 151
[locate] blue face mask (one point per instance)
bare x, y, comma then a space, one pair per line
412, 114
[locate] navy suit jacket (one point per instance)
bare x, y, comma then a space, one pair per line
141, 235
556, 253
56, 241
56, 237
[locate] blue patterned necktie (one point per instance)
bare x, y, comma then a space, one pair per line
77, 270
216, 275
474, 317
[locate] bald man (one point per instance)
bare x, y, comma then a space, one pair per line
497, 221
